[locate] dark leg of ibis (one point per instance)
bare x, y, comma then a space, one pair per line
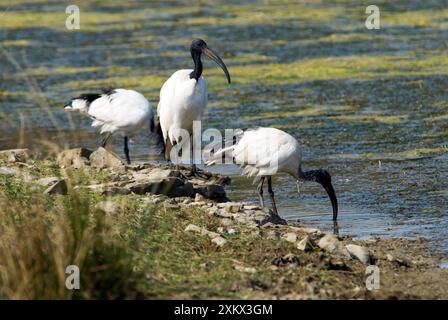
271, 195
126, 150
194, 170
260, 192
335, 228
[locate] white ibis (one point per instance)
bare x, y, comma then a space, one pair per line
183, 97
265, 152
116, 110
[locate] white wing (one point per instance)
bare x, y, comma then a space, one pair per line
123, 110
182, 100
265, 152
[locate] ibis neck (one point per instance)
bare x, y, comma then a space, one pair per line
310, 175
197, 71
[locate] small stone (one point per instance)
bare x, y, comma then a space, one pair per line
199, 197
15, 155
47, 181
273, 235
224, 214
360, 253
251, 207
331, 244
232, 207
193, 228
172, 186
232, 231
225, 222
101, 158
59, 187
213, 192
307, 230
290, 237
201, 231
402, 262
306, 244
219, 241
7, 171
109, 207
159, 174
75, 158
245, 269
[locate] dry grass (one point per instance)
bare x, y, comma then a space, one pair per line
40, 236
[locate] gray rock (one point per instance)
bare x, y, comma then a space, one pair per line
225, 222
400, 261
172, 187
160, 174
290, 237
101, 158
331, 244
8, 171
202, 231
307, 230
306, 244
251, 207
212, 191
361, 253
15, 155
224, 214
75, 158
193, 228
47, 181
233, 207
199, 197
232, 231
115, 191
241, 268
219, 241
59, 187
109, 207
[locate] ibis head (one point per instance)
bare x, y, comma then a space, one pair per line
322, 177
199, 47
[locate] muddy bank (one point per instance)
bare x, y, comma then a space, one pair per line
212, 247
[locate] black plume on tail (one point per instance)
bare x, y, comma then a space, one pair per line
157, 135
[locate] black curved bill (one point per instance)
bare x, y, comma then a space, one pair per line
212, 55
334, 201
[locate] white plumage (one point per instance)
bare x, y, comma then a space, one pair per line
182, 101
119, 110
265, 152
183, 98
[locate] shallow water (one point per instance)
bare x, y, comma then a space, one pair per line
371, 106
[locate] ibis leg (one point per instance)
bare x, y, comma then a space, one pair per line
126, 150
271, 195
194, 170
260, 192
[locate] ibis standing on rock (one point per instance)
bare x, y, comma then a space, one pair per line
116, 110
265, 152
183, 98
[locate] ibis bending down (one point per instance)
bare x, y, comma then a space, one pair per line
116, 110
183, 98
265, 152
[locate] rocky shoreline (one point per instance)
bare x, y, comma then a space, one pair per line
403, 263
